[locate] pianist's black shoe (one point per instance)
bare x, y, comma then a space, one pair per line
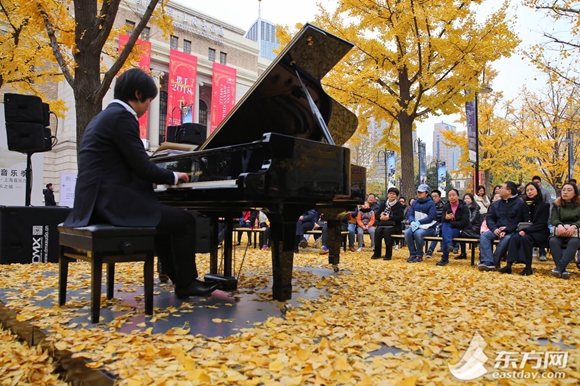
196, 288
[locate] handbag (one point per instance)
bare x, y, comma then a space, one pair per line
523, 225
555, 229
555, 233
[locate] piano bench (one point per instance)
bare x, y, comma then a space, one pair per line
106, 244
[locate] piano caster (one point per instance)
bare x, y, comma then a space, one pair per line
335, 267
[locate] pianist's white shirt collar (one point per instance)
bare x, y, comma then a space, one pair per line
126, 106
130, 109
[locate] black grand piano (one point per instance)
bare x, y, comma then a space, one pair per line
279, 150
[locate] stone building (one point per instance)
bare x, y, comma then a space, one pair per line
205, 37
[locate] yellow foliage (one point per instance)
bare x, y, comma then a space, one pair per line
411, 60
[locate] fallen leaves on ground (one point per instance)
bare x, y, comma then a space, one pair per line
430, 313
23, 365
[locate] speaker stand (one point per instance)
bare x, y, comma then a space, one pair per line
28, 179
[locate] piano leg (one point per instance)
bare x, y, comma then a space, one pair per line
283, 231
213, 253
334, 242
228, 246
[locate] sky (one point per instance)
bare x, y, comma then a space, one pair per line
514, 72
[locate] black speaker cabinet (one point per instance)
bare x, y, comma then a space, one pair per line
29, 234
25, 108
191, 133
171, 134
27, 137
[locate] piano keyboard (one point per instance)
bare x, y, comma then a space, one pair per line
199, 185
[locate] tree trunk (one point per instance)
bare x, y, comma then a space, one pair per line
407, 167
86, 82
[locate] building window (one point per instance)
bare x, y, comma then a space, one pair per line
162, 115
202, 113
211, 55
173, 40
186, 46
130, 26
223, 57
145, 33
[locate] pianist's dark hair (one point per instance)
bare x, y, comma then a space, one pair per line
132, 81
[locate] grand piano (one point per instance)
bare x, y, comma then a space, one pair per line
280, 151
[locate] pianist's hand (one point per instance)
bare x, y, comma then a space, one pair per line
182, 177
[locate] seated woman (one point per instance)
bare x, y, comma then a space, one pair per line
523, 241
264, 236
365, 221
392, 213
475, 220
481, 200
455, 218
565, 223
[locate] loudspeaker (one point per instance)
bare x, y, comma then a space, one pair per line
170, 135
26, 108
190, 133
27, 137
29, 234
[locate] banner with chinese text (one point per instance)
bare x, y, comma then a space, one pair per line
145, 64
181, 87
471, 136
442, 178
223, 95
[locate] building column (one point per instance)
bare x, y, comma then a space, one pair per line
154, 110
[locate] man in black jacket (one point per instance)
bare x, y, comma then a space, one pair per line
115, 183
49, 195
502, 220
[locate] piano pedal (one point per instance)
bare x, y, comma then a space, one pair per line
227, 283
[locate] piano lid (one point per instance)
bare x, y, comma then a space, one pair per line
278, 103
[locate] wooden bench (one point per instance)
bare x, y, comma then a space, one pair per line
473, 243
319, 232
254, 233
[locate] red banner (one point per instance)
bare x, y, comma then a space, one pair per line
181, 88
145, 64
223, 95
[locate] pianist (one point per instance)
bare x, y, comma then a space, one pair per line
115, 183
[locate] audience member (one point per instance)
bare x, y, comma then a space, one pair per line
482, 200
475, 220
525, 239
455, 218
263, 222
421, 215
548, 199
49, 195
436, 196
502, 219
390, 222
305, 223
565, 224
247, 220
495, 192
365, 221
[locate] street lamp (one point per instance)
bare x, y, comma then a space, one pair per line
385, 154
569, 140
485, 89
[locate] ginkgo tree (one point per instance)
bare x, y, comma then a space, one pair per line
544, 123
558, 51
412, 59
26, 57
78, 38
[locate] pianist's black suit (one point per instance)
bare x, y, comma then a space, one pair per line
115, 186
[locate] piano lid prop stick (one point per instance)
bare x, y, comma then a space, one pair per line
316, 112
